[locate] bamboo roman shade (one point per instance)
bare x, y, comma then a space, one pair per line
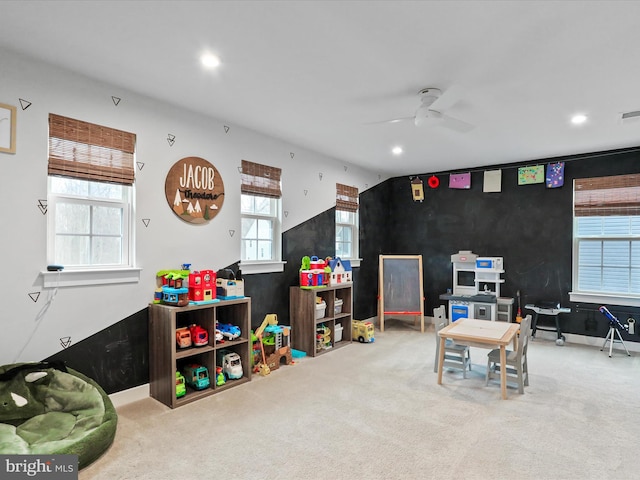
260, 180
84, 150
346, 198
607, 196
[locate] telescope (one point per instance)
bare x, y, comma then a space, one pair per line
613, 321
614, 329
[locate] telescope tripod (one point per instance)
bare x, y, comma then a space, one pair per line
611, 338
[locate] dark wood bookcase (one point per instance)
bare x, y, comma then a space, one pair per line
305, 325
165, 358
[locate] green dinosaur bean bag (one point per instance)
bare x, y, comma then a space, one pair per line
46, 408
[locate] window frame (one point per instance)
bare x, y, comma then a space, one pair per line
275, 264
54, 199
355, 236
600, 204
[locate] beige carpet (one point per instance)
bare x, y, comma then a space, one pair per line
375, 411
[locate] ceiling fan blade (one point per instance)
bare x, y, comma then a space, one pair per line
393, 120
455, 124
448, 98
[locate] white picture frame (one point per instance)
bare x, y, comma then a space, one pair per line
7, 128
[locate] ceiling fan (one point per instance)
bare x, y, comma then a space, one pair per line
433, 103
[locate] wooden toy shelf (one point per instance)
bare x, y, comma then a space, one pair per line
304, 324
166, 358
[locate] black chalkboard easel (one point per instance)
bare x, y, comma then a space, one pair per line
400, 287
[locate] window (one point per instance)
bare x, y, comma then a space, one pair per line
90, 196
346, 222
261, 207
606, 240
260, 222
346, 234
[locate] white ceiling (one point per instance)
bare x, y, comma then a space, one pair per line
318, 74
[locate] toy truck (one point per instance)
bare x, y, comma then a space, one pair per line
199, 336
362, 331
181, 389
196, 376
230, 363
183, 337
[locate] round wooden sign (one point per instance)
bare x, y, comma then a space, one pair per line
194, 190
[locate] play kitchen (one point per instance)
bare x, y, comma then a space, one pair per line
476, 288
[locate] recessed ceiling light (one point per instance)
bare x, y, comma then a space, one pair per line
210, 60
578, 119
396, 150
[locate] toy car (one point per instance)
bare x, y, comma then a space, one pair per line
362, 331
183, 337
181, 389
199, 336
196, 376
231, 364
228, 330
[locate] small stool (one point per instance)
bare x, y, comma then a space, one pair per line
551, 311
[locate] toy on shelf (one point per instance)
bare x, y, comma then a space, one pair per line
175, 278
182, 287
321, 308
157, 295
229, 284
312, 272
231, 364
220, 380
341, 271
178, 297
199, 336
202, 287
317, 273
323, 337
218, 336
171, 287
196, 376
181, 389
183, 337
229, 331
362, 331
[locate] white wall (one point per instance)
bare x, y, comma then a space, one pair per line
32, 330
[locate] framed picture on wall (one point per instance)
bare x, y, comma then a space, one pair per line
7, 128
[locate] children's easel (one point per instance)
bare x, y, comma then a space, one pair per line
400, 289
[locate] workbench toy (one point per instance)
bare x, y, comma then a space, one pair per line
549, 309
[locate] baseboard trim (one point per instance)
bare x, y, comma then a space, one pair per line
130, 395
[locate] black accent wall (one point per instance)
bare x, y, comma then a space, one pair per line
117, 358
531, 226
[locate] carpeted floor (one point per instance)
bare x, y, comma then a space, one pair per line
375, 411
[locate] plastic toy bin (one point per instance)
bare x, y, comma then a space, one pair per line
338, 332
321, 308
337, 306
